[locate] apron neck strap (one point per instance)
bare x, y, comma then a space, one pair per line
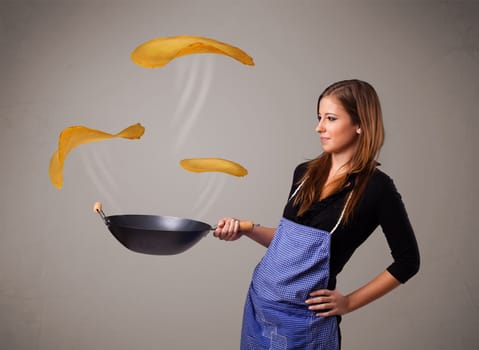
342, 212
296, 190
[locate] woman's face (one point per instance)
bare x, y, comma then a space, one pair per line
338, 134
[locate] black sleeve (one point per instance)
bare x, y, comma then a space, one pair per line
399, 233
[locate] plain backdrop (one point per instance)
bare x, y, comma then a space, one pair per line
66, 283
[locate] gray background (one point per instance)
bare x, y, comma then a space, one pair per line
66, 283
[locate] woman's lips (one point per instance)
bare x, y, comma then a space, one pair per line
324, 139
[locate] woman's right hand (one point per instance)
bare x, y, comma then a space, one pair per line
227, 229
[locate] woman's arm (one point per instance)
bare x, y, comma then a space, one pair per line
331, 302
228, 229
262, 235
394, 221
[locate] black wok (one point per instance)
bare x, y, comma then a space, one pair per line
157, 235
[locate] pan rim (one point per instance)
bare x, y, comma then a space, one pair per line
152, 216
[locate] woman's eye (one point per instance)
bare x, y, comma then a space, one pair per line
330, 118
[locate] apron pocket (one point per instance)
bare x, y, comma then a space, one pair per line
278, 342
252, 344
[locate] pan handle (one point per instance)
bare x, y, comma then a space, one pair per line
244, 225
97, 208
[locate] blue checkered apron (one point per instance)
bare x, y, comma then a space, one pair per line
275, 314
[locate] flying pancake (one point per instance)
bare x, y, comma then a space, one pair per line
158, 52
200, 165
74, 136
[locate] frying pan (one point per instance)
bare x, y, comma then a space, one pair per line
157, 235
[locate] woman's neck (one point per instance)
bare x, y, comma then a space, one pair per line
339, 164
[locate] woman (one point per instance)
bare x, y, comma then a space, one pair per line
336, 201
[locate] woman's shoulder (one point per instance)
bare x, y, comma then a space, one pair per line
380, 176
300, 169
380, 189
381, 181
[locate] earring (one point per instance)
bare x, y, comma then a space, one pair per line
358, 131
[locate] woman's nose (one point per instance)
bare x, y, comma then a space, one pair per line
319, 127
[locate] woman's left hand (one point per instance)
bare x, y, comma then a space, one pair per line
327, 302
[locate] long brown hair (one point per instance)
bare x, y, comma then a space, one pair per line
361, 102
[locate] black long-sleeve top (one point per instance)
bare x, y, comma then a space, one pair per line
380, 205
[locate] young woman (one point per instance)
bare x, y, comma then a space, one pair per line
336, 201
